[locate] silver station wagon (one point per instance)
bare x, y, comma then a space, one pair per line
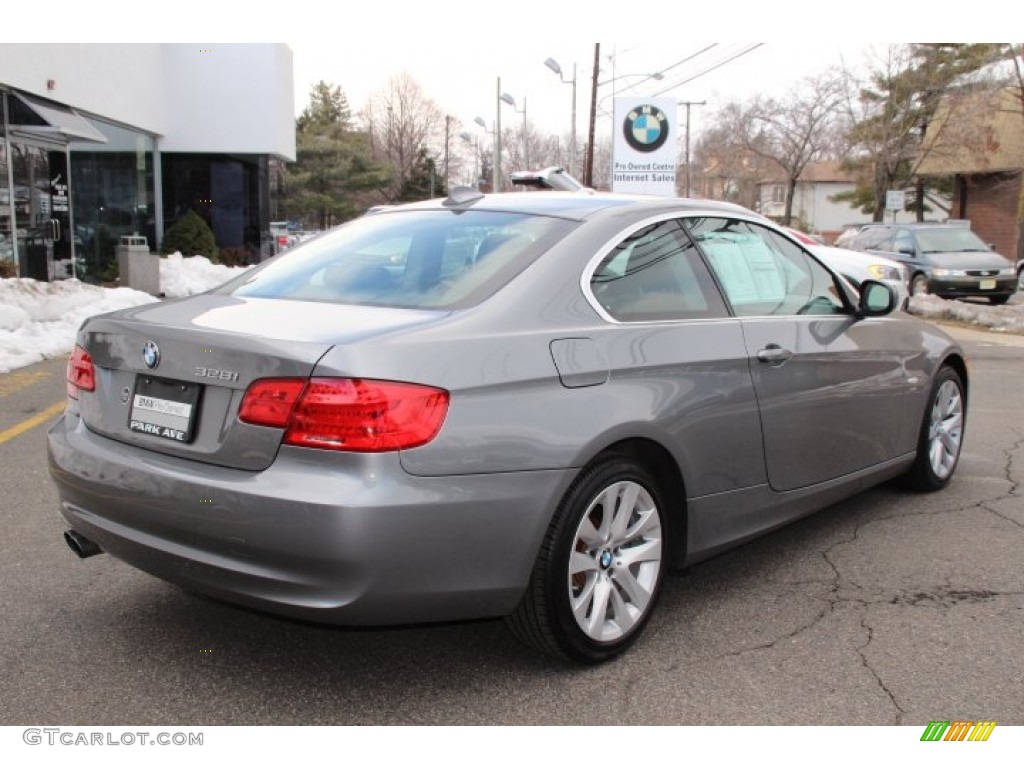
530, 405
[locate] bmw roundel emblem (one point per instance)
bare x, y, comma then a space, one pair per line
151, 354
645, 128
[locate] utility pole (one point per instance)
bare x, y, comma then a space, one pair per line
588, 171
689, 104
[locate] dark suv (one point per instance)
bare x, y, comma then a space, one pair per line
948, 260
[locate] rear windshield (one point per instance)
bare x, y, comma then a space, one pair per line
415, 259
948, 239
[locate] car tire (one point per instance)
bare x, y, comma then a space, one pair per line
600, 567
942, 431
998, 300
919, 285
1020, 279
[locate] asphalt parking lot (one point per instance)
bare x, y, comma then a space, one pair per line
890, 608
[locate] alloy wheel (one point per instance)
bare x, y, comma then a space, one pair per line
615, 561
945, 431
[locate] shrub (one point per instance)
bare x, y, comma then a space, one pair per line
191, 236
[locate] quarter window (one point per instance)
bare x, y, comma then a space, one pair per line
656, 274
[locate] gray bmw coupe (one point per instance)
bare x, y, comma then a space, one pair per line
528, 405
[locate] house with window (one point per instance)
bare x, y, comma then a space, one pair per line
813, 206
978, 139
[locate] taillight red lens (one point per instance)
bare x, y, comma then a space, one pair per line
81, 374
270, 402
348, 414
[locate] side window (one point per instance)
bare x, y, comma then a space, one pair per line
904, 242
656, 274
764, 273
874, 239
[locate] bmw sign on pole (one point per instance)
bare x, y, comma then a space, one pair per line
645, 151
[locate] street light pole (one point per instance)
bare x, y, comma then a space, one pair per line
689, 104
510, 100
471, 140
497, 141
572, 139
554, 67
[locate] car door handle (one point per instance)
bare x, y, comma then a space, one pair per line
774, 354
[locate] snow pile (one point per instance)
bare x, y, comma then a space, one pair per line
39, 320
184, 277
1008, 318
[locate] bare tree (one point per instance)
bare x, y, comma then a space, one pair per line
791, 133
402, 121
723, 169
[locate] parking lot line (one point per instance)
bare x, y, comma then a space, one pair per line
18, 380
12, 432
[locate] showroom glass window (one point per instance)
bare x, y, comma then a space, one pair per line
7, 261
112, 193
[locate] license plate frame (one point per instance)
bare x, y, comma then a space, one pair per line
164, 409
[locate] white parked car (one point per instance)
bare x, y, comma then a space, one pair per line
858, 267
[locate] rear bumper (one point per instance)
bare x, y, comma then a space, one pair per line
336, 538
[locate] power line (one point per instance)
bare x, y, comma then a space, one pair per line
712, 68
663, 70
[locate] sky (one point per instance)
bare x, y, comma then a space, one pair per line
463, 81
457, 50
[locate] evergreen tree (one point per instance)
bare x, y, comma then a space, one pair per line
333, 162
191, 236
898, 102
327, 106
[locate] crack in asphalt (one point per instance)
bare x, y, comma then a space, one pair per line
1014, 484
900, 712
944, 597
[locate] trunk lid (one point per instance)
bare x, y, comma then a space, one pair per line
203, 353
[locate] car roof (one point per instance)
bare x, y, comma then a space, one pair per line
569, 205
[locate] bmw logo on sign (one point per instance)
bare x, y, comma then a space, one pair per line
645, 128
151, 354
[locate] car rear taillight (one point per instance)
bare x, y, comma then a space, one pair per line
270, 402
360, 415
81, 374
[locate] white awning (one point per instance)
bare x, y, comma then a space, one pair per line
61, 122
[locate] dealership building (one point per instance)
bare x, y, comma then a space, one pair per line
100, 141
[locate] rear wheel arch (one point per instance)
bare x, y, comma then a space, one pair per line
669, 476
958, 364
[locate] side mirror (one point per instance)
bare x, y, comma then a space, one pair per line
876, 299
906, 250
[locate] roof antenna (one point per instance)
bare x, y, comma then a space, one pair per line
463, 196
